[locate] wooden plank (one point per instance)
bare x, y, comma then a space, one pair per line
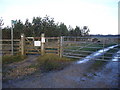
16, 51
17, 48
5, 44
9, 44
32, 49
9, 40
6, 54
37, 37
10, 49
51, 51
52, 37
6, 50
52, 44
61, 46
28, 41
33, 52
30, 37
16, 40
29, 46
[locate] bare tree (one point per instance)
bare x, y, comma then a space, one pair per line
1, 22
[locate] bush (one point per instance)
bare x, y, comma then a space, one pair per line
10, 59
50, 62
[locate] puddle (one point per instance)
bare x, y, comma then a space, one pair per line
117, 56
96, 54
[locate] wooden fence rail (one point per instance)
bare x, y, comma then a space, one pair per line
26, 45
72, 47
6, 46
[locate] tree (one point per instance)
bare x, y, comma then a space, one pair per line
28, 28
63, 31
77, 31
37, 26
1, 22
18, 29
85, 31
45, 25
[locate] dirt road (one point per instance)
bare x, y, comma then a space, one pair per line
73, 76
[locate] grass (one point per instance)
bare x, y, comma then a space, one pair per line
7, 59
46, 63
50, 62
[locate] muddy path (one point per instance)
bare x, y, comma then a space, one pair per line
31, 59
73, 76
19, 69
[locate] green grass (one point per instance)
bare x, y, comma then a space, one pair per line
7, 59
49, 62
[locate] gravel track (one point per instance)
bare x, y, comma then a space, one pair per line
72, 76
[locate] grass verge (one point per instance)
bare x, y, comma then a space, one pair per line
49, 62
11, 59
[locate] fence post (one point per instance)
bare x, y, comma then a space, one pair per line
22, 44
61, 45
42, 44
103, 48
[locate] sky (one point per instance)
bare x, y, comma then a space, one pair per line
101, 16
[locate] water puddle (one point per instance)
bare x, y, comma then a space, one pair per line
96, 54
116, 56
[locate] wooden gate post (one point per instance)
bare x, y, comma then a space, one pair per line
61, 46
22, 44
42, 43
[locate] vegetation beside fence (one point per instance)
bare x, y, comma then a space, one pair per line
45, 63
7, 59
49, 62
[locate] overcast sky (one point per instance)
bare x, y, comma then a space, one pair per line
101, 16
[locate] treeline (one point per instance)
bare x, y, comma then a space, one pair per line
45, 25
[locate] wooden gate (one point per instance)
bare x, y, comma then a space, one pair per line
30, 47
40, 45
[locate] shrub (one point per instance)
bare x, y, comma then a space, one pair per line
50, 62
